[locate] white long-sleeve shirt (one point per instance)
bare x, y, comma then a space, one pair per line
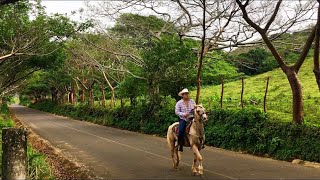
181, 108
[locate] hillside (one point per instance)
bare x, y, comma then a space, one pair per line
286, 42
279, 94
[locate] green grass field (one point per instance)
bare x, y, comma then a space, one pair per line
279, 100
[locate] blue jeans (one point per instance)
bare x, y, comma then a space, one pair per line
182, 127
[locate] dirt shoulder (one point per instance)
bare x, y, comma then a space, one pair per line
62, 167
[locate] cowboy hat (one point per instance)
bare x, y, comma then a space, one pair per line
185, 90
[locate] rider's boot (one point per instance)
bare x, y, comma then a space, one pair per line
180, 144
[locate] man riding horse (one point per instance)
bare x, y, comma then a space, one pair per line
183, 109
194, 137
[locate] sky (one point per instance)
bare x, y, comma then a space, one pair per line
63, 7
67, 6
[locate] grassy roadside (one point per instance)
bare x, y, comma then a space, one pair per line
279, 99
38, 168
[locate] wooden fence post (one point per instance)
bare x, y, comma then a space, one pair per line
242, 89
265, 96
14, 153
222, 91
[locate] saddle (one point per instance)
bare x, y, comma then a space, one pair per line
186, 139
176, 128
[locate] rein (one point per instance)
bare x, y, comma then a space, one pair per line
195, 123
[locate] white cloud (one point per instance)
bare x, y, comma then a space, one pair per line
63, 7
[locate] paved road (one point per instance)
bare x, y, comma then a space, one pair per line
119, 154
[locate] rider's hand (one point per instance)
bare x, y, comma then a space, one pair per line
186, 115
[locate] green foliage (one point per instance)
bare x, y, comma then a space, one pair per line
38, 168
169, 66
216, 68
136, 26
252, 131
131, 88
140, 118
279, 98
255, 61
30, 41
36, 87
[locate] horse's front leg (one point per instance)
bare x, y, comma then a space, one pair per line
194, 169
199, 158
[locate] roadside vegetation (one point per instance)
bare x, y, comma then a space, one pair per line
279, 98
38, 167
248, 130
128, 75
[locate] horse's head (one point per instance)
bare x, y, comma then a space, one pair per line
201, 112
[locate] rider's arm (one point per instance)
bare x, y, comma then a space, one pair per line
193, 103
178, 110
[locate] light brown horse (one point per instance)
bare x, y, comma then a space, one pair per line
195, 139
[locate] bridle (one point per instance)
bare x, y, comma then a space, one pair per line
201, 116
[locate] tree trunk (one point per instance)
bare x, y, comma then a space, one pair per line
82, 96
74, 96
112, 100
60, 98
316, 68
202, 52
222, 92
133, 101
54, 97
297, 102
154, 93
91, 99
242, 89
14, 154
69, 97
103, 98
265, 96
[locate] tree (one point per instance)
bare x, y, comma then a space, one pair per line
169, 67
316, 68
36, 87
255, 61
207, 21
263, 27
216, 69
29, 44
4, 2
90, 64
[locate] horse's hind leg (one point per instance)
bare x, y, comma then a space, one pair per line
173, 158
178, 156
172, 150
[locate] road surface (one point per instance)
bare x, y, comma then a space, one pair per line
120, 154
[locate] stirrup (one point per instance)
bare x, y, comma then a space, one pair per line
180, 148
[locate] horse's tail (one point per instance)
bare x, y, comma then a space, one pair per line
170, 135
